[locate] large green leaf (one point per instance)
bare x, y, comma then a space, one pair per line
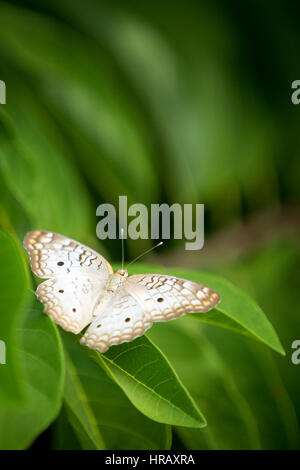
39, 352
151, 384
236, 311
253, 370
99, 411
80, 411
14, 285
231, 424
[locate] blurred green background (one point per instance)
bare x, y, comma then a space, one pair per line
170, 101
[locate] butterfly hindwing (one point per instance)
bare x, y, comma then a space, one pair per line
142, 300
122, 320
70, 301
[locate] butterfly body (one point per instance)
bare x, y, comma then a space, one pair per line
82, 290
116, 280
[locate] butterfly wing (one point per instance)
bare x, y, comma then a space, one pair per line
142, 300
53, 255
77, 277
168, 297
70, 301
122, 320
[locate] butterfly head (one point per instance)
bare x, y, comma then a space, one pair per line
122, 272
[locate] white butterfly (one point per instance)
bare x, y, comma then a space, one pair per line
82, 289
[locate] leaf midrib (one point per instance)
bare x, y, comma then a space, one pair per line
154, 392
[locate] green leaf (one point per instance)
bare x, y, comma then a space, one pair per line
63, 435
151, 384
252, 369
236, 311
96, 407
239, 312
231, 424
40, 354
14, 286
77, 402
271, 274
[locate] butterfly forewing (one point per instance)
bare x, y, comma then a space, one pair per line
77, 277
53, 255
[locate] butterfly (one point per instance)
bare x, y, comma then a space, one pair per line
82, 289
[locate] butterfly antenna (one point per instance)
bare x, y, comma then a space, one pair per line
145, 252
122, 237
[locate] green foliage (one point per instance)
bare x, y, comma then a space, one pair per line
100, 413
113, 400
152, 386
236, 311
35, 367
14, 285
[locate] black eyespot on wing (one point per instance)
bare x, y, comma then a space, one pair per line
74, 309
98, 326
127, 319
60, 263
160, 299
